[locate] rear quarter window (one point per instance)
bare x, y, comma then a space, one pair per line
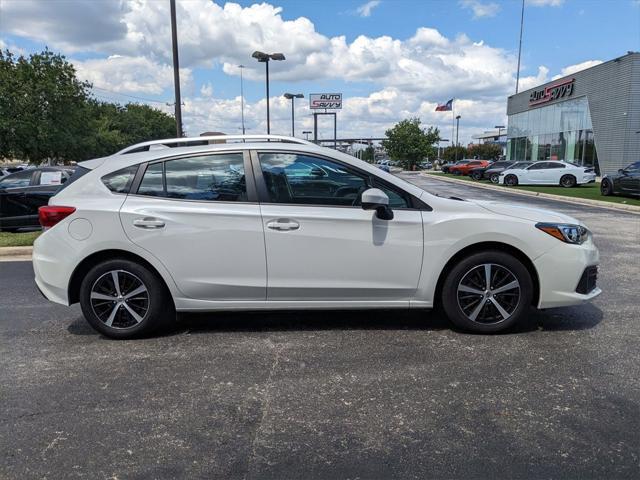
120, 181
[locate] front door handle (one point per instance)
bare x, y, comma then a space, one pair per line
148, 223
283, 224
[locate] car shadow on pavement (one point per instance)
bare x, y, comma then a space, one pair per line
583, 317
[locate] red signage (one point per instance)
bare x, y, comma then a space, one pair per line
555, 91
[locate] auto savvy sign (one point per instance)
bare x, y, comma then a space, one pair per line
555, 91
325, 100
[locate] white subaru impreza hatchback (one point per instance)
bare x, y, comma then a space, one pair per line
271, 222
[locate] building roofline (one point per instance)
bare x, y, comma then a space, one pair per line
617, 59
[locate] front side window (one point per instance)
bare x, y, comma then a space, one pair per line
538, 166
307, 180
209, 178
17, 180
555, 165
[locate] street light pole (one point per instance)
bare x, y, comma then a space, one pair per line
292, 97
264, 58
457, 132
241, 67
499, 127
176, 69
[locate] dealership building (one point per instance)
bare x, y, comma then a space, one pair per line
591, 117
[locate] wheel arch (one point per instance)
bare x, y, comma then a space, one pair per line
73, 290
483, 247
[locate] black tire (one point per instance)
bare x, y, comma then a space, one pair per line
460, 306
495, 178
606, 188
511, 180
153, 308
476, 176
568, 181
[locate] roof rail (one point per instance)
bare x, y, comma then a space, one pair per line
184, 142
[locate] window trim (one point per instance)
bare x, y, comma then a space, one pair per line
252, 196
264, 197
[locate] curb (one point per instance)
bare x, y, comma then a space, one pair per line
582, 201
10, 254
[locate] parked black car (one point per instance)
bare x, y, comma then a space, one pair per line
625, 182
446, 166
493, 173
479, 173
23, 192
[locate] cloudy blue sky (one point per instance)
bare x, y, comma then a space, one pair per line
391, 58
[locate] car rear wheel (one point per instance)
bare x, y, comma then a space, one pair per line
605, 188
568, 181
495, 178
511, 180
487, 292
123, 299
476, 175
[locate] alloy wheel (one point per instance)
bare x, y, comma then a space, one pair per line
119, 299
488, 293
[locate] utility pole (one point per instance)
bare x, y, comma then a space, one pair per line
520, 47
241, 67
176, 69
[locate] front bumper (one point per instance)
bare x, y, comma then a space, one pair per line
561, 273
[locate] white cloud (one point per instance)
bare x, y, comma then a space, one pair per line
481, 9
408, 76
544, 3
365, 9
571, 69
206, 90
124, 74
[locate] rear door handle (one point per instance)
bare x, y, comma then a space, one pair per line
283, 224
148, 223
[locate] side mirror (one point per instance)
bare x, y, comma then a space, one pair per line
318, 172
622, 171
376, 199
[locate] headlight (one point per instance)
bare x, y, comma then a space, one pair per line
575, 234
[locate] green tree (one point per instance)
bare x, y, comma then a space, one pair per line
485, 151
368, 154
408, 143
43, 108
449, 153
47, 114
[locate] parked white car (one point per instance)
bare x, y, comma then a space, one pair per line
549, 173
286, 224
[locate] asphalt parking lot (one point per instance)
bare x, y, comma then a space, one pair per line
334, 394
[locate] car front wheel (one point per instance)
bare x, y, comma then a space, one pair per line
487, 292
123, 299
606, 188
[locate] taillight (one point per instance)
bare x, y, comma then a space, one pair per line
52, 214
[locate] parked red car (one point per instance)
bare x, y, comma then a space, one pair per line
467, 167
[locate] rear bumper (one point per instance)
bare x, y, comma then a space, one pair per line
51, 272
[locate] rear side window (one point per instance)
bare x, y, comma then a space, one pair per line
217, 177
120, 180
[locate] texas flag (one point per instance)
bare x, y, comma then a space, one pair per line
447, 107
